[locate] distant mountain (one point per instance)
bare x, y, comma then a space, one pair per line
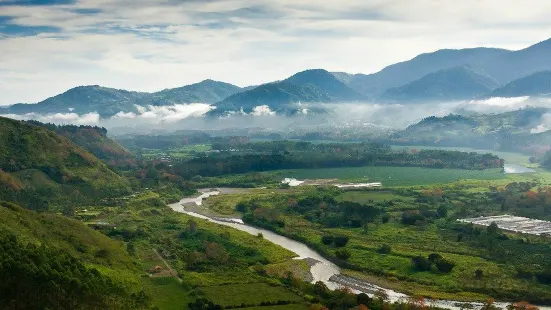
503, 65
207, 91
325, 82
38, 167
504, 131
109, 101
310, 86
535, 85
281, 97
84, 99
457, 83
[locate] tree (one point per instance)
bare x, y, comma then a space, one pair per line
327, 240
385, 218
478, 274
385, 249
434, 257
191, 227
420, 263
493, 229
444, 265
341, 241
343, 254
442, 211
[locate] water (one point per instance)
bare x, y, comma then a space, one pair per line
513, 168
324, 270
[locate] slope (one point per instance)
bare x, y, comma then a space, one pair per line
40, 168
457, 83
281, 97
325, 81
58, 263
536, 85
207, 91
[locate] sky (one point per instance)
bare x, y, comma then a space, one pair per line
49, 46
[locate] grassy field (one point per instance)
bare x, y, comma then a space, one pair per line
167, 293
394, 176
238, 294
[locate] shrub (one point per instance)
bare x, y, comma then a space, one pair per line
341, 241
478, 274
385, 249
444, 265
385, 218
343, 254
434, 257
420, 263
327, 240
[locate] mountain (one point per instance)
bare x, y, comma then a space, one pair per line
207, 91
281, 97
408, 71
503, 131
456, 83
287, 96
91, 138
40, 169
109, 101
503, 65
326, 82
535, 85
84, 99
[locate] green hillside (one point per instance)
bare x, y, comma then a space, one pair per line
49, 261
40, 168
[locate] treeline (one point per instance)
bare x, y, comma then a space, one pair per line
36, 277
267, 157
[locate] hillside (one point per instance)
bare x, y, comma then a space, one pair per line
91, 138
85, 99
535, 85
54, 262
207, 91
502, 65
457, 83
282, 97
40, 168
504, 131
109, 101
327, 82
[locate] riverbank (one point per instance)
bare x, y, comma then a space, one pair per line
327, 270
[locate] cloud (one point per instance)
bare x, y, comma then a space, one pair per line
151, 45
59, 118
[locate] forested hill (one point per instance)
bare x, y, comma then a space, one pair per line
91, 138
301, 155
48, 262
40, 168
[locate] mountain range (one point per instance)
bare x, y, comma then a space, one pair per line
443, 75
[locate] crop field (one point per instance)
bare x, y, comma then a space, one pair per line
394, 176
167, 293
252, 294
280, 307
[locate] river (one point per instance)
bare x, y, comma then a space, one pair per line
324, 270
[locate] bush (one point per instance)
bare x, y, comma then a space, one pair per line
434, 257
478, 274
341, 241
385, 249
385, 218
444, 265
343, 254
420, 263
327, 240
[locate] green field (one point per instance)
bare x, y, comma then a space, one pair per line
249, 294
167, 293
394, 176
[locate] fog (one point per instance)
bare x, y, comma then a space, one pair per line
365, 114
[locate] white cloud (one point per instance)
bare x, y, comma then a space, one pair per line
150, 45
262, 110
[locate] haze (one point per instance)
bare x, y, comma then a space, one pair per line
49, 46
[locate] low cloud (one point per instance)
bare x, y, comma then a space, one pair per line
59, 118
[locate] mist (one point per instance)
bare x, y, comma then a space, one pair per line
361, 115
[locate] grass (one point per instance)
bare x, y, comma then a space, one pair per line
394, 176
282, 307
249, 294
167, 293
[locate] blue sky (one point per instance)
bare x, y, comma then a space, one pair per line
49, 46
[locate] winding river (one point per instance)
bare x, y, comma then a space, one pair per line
324, 270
